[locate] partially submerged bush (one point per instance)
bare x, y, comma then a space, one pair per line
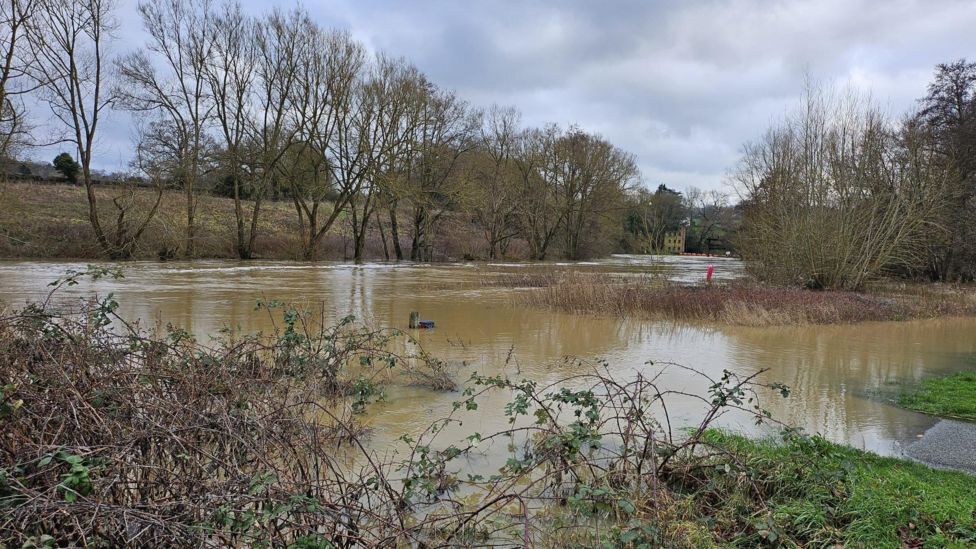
113, 436
838, 194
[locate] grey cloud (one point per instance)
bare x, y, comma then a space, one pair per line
680, 84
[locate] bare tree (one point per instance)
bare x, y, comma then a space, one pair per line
593, 176
69, 43
395, 168
231, 73
444, 135
496, 186
15, 19
181, 42
948, 117
654, 214
710, 215
571, 184
387, 118
328, 163
539, 214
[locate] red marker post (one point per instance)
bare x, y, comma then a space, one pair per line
708, 273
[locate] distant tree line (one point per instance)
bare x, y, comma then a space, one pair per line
278, 108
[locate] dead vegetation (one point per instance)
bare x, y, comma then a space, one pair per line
739, 303
118, 437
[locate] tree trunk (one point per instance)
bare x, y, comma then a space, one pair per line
254, 227
418, 235
386, 249
358, 235
93, 214
190, 215
395, 234
242, 248
360, 226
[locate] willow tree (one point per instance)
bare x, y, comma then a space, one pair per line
836, 194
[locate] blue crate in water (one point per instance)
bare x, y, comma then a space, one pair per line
425, 324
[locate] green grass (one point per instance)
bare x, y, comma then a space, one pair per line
952, 396
813, 493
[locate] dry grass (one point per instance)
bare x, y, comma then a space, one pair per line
745, 304
50, 221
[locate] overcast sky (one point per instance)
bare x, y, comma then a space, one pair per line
681, 84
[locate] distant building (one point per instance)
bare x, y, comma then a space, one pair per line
674, 241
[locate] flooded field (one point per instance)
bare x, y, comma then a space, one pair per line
838, 373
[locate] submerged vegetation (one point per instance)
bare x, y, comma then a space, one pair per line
740, 303
952, 396
112, 436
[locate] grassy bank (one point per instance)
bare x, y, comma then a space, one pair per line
819, 494
50, 221
952, 396
741, 303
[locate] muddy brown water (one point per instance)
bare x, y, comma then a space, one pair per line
839, 375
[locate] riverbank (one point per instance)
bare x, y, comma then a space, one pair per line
50, 221
823, 494
738, 303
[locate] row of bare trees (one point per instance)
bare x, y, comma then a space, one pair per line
279, 106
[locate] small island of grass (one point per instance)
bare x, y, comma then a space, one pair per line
952, 396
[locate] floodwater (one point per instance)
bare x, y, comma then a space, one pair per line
838, 374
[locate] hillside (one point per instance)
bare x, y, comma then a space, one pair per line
50, 220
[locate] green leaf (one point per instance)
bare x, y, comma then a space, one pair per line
627, 506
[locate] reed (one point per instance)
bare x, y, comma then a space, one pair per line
743, 303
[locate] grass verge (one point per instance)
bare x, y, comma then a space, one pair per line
818, 494
953, 396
